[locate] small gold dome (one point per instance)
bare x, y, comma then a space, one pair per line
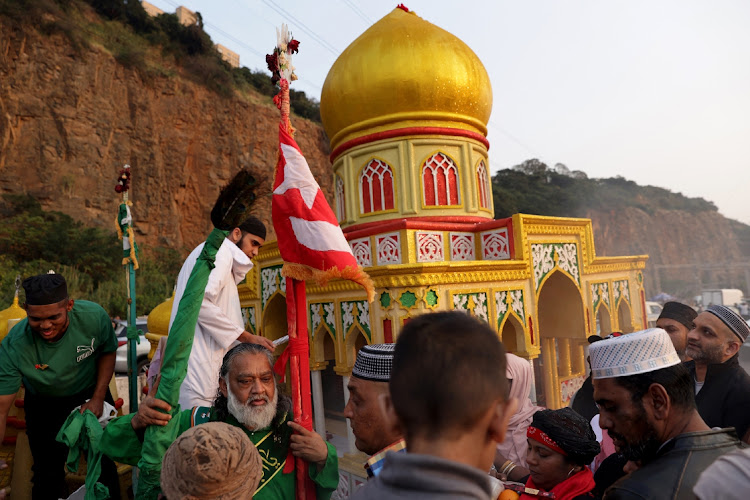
13, 312
404, 72
158, 318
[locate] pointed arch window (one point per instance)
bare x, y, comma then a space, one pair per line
484, 185
440, 181
376, 187
340, 199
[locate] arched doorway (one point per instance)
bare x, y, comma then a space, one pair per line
625, 317
562, 333
512, 334
274, 319
603, 320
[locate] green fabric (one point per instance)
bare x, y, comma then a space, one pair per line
121, 443
72, 359
174, 367
82, 433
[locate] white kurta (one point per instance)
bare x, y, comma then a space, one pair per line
219, 324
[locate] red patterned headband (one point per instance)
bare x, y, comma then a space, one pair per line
541, 437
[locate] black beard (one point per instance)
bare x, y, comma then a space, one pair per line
643, 451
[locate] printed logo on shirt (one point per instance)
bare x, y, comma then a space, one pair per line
85, 351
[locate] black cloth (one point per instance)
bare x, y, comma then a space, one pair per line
724, 400
609, 471
583, 400
675, 470
45, 416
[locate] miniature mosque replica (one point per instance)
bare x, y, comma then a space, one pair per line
406, 107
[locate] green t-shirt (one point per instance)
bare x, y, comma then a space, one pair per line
71, 360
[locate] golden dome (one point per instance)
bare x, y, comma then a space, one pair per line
404, 72
13, 312
158, 318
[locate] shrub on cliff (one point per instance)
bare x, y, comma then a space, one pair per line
33, 241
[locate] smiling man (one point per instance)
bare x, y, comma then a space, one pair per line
646, 403
722, 387
247, 398
64, 355
376, 433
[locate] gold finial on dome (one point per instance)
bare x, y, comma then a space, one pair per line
404, 72
12, 314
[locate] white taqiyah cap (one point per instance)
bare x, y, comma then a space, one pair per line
633, 353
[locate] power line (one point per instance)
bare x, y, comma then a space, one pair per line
358, 11
279, 10
511, 137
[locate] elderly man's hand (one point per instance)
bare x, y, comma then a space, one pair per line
308, 445
148, 410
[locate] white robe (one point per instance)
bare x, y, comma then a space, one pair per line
219, 324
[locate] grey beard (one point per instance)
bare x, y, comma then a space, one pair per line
251, 417
711, 355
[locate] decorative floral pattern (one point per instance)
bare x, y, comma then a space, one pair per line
322, 312
621, 290
248, 318
495, 244
462, 246
271, 281
599, 294
389, 249
509, 300
473, 303
430, 246
362, 252
358, 312
546, 256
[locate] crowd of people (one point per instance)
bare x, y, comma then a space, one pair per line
445, 412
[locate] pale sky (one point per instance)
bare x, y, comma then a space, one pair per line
657, 91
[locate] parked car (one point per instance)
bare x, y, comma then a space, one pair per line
142, 348
653, 310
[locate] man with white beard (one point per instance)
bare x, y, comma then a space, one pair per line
248, 398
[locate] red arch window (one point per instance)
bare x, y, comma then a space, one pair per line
376, 187
440, 181
483, 184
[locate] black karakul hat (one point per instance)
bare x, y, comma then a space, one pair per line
45, 289
374, 362
679, 312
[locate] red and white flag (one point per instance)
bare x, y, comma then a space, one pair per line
310, 239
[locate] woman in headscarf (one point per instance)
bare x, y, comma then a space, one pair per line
560, 445
513, 448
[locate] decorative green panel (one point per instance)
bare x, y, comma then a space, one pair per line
473, 303
270, 282
507, 301
546, 256
358, 312
322, 312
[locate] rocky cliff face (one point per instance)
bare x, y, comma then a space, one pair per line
673, 237
70, 120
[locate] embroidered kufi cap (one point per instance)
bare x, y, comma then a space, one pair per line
682, 313
733, 320
374, 362
45, 289
633, 353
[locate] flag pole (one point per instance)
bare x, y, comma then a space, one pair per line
279, 62
130, 263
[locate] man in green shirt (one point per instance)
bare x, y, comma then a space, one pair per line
247, 398
64, 355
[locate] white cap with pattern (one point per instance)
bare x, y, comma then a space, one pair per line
633, 353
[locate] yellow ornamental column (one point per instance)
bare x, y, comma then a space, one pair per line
12, 315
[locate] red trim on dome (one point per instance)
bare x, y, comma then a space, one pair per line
390, 134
